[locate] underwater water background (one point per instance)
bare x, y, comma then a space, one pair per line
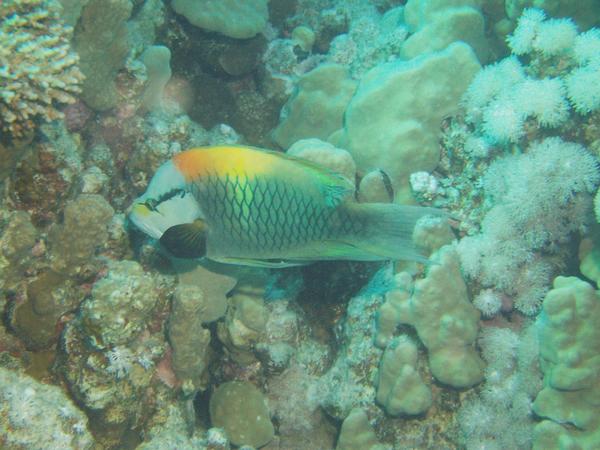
415, 267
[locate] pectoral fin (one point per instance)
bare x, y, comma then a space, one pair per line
187, 240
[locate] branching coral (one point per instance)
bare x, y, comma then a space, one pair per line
37, 67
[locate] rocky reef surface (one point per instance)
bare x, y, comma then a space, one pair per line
487, 109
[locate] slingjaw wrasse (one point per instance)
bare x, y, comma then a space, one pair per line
255, 207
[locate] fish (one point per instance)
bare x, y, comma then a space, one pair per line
249, 206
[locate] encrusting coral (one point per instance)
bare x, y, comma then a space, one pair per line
38, 69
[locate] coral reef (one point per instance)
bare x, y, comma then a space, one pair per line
66, 266
392, 121
172, 432
46, 174
435, 25
189, 340
507, 98
315, 109
400, 389
294, 404
34, 414
156, 58
356, 432
512, 379
102, 54
566, 328
126, 289
447, 324
109, 342
39, 70
234, 18
240, 409
110, 354
325, 154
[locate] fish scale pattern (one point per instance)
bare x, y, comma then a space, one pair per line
268, 215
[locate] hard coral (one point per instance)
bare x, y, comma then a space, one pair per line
37, 67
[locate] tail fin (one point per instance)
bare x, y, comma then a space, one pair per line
388, 229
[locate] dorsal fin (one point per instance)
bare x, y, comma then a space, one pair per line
232, 158
336, 187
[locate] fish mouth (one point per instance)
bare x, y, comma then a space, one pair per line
139, 209
154, 217
141, 216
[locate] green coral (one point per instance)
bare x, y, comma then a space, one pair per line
570, 360
357, 433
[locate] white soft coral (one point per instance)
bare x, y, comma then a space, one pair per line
536, 34
543, 99
586, 48
522, 39
490, 82
503, 121
555, 37
583, 87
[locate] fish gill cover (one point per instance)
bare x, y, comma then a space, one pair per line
477, 119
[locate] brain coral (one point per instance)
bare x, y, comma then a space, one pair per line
37, 67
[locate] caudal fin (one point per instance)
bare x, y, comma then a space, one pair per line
387, 230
